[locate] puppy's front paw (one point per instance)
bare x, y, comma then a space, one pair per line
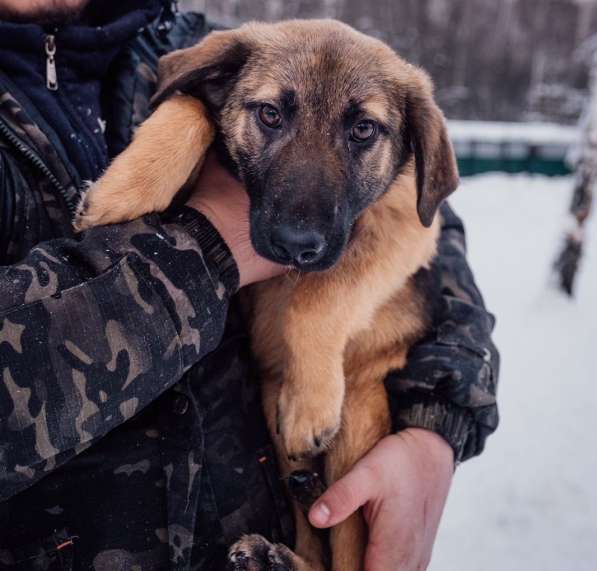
105, 204
96, 208
79, 222
255, 553
308, 421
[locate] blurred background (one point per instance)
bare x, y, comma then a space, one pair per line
517, 80
505, 60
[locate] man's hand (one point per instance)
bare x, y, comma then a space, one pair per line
402, 484
225, 203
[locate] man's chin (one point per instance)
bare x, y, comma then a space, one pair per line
41, 11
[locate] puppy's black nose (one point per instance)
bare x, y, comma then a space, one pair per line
303, 247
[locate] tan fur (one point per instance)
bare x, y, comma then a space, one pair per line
377, 108
320, 313
123, 193
324, 341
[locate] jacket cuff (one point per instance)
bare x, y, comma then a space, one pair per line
453, 423
216, 254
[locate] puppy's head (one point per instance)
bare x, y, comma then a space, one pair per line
319, 121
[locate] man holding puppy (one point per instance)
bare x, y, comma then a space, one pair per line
131, 433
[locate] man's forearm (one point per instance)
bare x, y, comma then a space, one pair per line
92, 331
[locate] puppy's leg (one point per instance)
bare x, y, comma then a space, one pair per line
365, 422
144, 178
308, 548
323, 316
328, 309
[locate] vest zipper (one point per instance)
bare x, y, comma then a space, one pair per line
34, 159
51, 75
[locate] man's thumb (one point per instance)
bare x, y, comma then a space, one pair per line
342, 498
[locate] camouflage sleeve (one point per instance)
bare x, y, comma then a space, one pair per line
92, 331
449, 383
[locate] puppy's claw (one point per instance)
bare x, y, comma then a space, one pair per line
305, 487
306, 429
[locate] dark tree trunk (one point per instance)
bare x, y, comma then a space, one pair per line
568, 261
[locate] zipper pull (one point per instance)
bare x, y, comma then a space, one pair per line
51, 75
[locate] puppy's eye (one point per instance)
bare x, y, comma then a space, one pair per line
270, 116
363, 131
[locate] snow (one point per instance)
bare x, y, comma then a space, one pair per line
529, 502
495, 131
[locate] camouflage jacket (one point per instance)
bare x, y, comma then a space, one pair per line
131, 434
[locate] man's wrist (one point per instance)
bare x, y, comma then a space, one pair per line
456, 425
251, 267
435, 445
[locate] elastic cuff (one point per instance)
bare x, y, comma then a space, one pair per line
216, 253
455, 424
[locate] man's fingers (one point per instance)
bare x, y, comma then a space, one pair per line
343, 498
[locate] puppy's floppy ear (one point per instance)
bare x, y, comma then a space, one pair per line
437, 173
206, 71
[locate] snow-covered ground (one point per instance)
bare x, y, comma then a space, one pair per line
529, 503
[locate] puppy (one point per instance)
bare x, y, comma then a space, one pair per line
345, 158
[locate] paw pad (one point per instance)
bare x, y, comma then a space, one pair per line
255, 553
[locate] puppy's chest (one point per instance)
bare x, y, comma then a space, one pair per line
379, 345
384, 343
